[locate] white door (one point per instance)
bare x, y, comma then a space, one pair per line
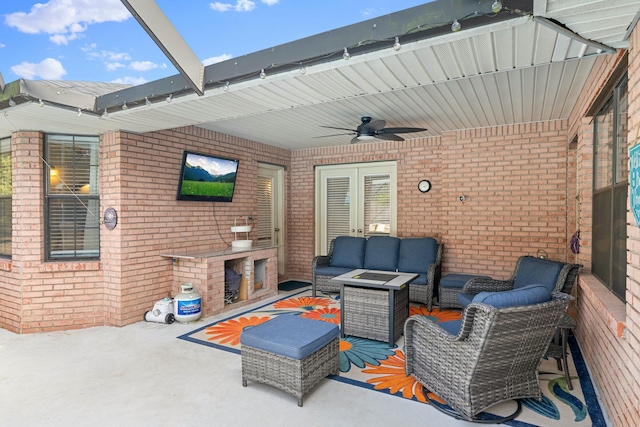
270, 221
355, 200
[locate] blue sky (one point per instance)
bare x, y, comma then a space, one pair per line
98, 40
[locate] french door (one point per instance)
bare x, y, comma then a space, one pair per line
355, 200
270, 221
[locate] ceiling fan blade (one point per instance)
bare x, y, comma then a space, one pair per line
377, 124
332, 127
389, 137
335, 134
354, 140
400, 130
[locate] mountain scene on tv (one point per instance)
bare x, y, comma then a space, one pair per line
208, 177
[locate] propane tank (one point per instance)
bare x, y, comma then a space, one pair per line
188, 304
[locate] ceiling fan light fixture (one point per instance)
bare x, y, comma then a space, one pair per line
365, 137
346, 54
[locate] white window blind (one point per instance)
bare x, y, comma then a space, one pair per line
377, 205
265, 208
338, 208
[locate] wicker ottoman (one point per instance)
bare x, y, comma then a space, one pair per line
290, 353
450, 286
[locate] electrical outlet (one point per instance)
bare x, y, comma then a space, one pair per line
249, 218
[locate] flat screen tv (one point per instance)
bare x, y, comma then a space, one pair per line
207, 178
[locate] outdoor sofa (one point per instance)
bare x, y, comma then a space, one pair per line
422, 255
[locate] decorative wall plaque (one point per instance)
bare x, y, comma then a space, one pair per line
110, 218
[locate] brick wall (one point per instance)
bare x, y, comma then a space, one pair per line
608, 329
139, 177
501, 172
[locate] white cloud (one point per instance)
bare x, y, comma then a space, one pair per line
240, 6
49, 69
220, 7
112, 66
130, 80
215, 59
270, 2
2, 45
367, 12
142, 65
65, 20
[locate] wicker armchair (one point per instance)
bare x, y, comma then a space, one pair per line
494, 357
557, 276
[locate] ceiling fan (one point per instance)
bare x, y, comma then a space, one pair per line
370, 129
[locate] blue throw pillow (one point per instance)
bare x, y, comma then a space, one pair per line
381, 253
539, 271
348, 252
417, 254
532, 294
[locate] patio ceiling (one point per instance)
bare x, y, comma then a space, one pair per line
523, 69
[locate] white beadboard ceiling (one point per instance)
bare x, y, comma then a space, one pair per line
515, 71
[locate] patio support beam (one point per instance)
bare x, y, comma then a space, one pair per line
164, 34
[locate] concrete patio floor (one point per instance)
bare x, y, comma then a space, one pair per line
142, 375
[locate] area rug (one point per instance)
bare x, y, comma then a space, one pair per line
292, 285
374, 366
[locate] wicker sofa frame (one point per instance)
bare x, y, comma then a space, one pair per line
417, 293
448, 297
495, 357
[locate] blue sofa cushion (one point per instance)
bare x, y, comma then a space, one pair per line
540, 271
417, 254
290, 335
381, 253
531, 294
332, 271
457, 280
348, 252
451, 326
420, 280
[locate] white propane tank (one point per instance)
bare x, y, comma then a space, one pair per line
188, 304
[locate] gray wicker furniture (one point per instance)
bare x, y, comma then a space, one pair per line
557, 276
450, 286
290, 353
494, 356
374, 304
422, 256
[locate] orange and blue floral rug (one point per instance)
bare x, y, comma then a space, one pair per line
373, 365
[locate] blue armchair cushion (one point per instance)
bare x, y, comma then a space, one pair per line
290, 335
416, 255
348, 252
381, 253
531, 294
451, 326
540, 271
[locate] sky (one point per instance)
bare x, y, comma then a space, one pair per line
99, 40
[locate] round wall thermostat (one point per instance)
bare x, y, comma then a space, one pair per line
424, 186
110, 218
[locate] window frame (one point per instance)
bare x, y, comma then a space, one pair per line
9, 231
609, 210
79, 200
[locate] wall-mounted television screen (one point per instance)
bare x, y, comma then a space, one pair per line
207, 178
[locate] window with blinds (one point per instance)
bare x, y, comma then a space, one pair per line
338, 214
6, 191
265, 208
377, 206
72, 206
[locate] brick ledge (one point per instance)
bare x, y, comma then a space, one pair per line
611, 309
